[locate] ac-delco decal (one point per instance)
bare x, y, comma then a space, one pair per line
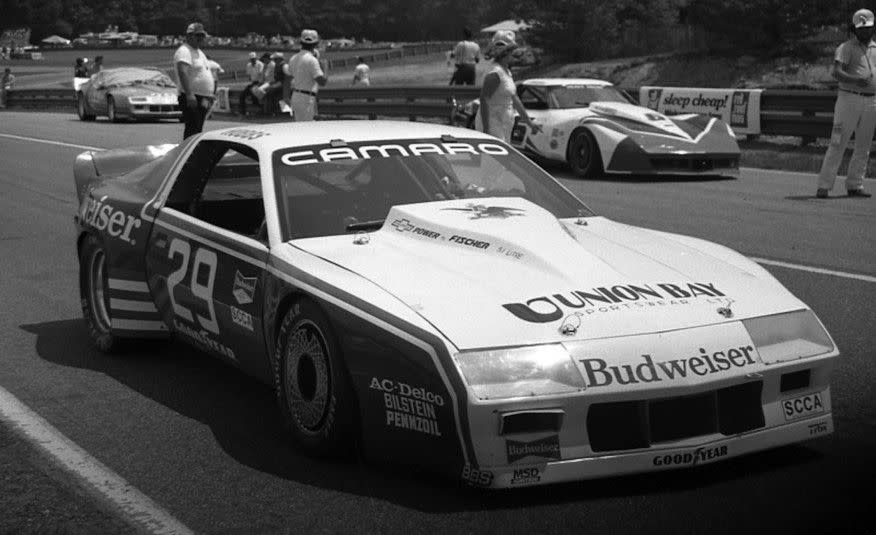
543, 448
699, 455
387, 149
546, 309
104, 217
598, 373
409, 407
803, 406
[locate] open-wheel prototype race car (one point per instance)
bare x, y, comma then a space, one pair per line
127, 93
428, 292
596, 128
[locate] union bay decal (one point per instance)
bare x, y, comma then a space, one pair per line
548, 308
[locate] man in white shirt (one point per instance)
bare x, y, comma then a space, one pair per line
196, 82
466, 54
307, 77
362, 73
255, 74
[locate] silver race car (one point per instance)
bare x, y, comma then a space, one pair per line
128, 93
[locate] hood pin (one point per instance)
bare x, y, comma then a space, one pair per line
570, 328
726, 311
362, 238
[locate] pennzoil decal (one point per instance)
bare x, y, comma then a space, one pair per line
387, 149
409, 407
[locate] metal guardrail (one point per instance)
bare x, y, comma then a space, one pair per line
804, 114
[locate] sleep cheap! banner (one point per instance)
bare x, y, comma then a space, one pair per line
740, 108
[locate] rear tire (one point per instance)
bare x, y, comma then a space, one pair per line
94, 294
311, 383
583, 154
81, 109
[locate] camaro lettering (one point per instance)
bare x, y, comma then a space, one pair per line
699, 455
546, 309
364, 152
104, 217
598, 373
802, 406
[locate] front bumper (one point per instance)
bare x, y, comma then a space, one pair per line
155, 111
659, 459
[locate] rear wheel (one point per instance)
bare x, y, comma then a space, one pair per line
94, 294
311, 383
583, 154
111, 110
81, 109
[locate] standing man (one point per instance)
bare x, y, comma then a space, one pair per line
6, 84
97, 65
467, 53
195, 79
362, 73
855, 109
254, 71
307, 77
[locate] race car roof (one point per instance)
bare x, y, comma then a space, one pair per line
271, 137
566, 81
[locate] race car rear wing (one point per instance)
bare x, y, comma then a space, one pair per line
100, 165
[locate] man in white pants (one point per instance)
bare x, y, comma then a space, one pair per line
855, 109
307, 77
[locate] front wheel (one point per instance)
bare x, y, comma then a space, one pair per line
583, 155
111, 110
81, 110
311, 383
94, 294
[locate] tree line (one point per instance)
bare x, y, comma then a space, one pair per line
574, 29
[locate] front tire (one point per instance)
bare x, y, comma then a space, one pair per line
111, 110
311, 383
583, 154
81, 110
94, 294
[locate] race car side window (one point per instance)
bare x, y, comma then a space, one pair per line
533, 98
220, 184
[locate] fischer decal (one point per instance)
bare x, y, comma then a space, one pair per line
409, 407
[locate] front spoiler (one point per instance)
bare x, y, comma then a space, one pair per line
644, 461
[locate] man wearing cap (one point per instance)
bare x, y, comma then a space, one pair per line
307, 77
855, 110
254, 72
196, 82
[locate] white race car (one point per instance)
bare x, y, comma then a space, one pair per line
596, 128
431, 295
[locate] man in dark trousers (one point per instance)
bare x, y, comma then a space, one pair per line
196, 82
255, 74
466, 54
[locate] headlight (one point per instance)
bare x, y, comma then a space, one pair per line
787, 337
520, 372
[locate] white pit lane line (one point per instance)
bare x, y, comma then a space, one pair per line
132, 505
50, 142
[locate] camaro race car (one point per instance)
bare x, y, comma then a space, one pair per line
431, 294
595, 128
127, 93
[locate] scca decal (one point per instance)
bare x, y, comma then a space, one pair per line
802, 406
104, 217
546, 309
364, 152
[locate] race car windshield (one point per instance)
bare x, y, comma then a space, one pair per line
333, 189
580, 96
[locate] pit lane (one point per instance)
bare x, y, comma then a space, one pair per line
204, 441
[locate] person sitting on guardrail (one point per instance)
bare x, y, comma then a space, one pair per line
275, 78
307, 77
80, 69
5, 85
255, 74
855, 110
362, 72
498, 98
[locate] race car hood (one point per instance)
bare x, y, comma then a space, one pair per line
646, 117
505, 272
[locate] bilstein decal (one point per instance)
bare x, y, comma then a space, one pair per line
409, 407
546, 309
597, 372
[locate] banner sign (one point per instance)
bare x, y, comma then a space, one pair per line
740, 108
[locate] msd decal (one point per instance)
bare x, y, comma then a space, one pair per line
104, 217
598, 373
546, 309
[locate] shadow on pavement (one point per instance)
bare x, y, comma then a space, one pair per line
558, 170
242, 415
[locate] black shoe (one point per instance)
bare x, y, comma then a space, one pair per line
859, 193
821, 193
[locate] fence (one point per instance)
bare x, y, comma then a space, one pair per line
804, 114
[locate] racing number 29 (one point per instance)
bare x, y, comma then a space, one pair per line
205, 258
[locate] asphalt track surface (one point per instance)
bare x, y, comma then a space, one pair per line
203, 440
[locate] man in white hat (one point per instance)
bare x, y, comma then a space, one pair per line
196, 82
855, 110
307, 77
254, 72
